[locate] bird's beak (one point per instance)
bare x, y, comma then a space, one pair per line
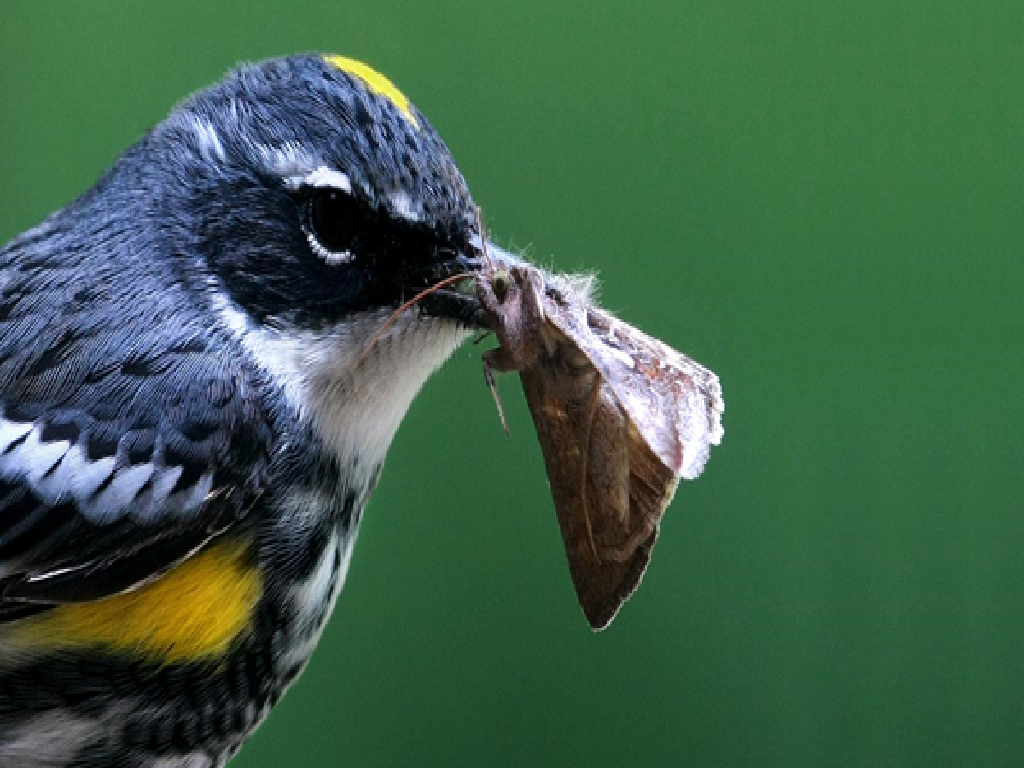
457, 299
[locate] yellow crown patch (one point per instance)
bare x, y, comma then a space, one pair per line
376, 82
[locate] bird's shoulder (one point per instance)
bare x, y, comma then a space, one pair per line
132, 430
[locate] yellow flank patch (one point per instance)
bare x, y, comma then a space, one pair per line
191, 613
376, 82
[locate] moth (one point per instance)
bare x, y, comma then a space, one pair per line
620, 417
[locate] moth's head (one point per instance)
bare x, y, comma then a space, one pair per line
315, 191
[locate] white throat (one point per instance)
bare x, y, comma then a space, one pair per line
353, 395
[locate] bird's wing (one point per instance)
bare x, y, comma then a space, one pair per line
128, 436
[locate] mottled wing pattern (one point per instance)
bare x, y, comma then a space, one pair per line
601, 509
126, 440
620, 417
674, 402
650, 419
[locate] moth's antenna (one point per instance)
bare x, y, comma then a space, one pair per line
410, 303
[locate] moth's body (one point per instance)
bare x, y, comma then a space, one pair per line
620, 417
193, 417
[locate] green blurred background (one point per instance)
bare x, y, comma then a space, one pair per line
820, 200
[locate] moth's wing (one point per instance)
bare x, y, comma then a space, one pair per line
672, 405
674, 402
584, 438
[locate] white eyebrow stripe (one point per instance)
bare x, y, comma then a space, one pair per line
287, 159
322, 176
403, 207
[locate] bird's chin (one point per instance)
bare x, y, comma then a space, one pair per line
358, 401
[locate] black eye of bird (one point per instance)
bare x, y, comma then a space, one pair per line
333, 221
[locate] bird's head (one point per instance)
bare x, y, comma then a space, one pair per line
315, 199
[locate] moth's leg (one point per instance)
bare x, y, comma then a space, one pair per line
492, 362
501, 360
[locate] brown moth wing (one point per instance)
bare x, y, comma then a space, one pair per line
610, 488
602, 508
674, 402
620, 417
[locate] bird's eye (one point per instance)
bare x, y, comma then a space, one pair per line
332, 225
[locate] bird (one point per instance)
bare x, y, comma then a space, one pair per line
199, 383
